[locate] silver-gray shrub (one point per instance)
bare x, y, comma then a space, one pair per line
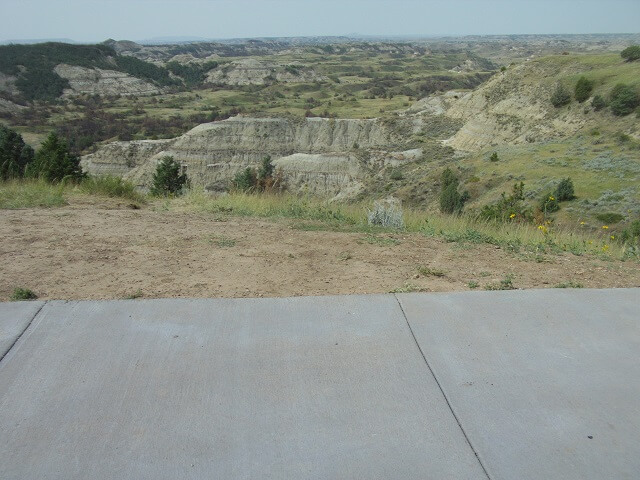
387, 213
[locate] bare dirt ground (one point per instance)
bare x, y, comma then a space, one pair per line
103, 250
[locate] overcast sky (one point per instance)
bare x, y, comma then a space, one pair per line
97, 20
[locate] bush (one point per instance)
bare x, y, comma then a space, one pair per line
565, 191
396, 175
623, 99
245, 180
54, 162
23, 294
631, 53
610, 217
598, 103
494, 157
631, 234
560, 96
167, 180
583, 89
549, 204
510, 207
451, 201
15, 155
386, 213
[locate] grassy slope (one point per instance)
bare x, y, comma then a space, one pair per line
603, 158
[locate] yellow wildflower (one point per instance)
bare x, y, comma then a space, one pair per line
613, 237
513, 215
582, 223
605, 227
551, 198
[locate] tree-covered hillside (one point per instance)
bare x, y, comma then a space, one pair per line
34, 66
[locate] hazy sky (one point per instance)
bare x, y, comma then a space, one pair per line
97, 20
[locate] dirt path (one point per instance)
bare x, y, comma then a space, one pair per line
107, 251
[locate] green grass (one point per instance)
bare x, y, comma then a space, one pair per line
316, 214
111, 187
30, 193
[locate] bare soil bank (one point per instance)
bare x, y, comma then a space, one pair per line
103, 250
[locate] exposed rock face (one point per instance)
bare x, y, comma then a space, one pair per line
511, 108
323, 156
103, 82
255, 72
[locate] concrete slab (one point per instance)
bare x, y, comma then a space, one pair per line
14, 318
546, 384
331, 387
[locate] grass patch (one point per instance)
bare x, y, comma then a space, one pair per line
111, 187
30, 193
505, 284
221, 241
430, 272
408, 288
137, 294
20, 294
316, 214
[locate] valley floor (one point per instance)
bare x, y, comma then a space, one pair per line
101, 249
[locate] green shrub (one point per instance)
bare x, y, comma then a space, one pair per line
598, 103
54, 162
565, 191
23, 294
623, 99
396, 175
510, 207
15, 155
245, 180
494, 157
610, 217
167, 179
549, 204
560, 96
631, 234
451, 201
583, 89
631, 53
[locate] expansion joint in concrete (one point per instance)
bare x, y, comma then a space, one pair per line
441, 389
24, 330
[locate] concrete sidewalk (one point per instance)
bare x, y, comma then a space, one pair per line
501, 385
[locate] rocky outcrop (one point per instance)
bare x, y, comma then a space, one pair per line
93, 81
255, 72
513, 107
323, 156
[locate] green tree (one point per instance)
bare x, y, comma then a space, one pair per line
167, 179
560, 96
583, 89
15, 155
245, 180
451, 201
565, 191
54, 162
623, 99
265, 174
631, 53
